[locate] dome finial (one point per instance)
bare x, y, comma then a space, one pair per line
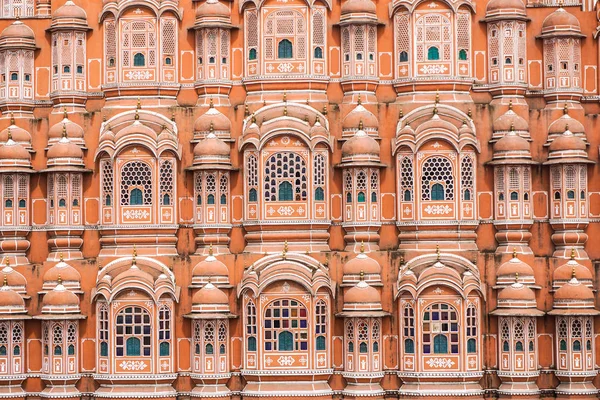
437, 251
324, 110
362, 246
137, 114
60, 257
12, 118
573, 274
285, 249
512, 127
210, 250
211, 128
284, 96
470, 114
64, 131
253, 119
246, 110
139, 103
514, 252
173, 115
285, 111
134, 256
510, 105
566, 109
317, 120
435, 110
437, 96
5, 282
516, 277
211, 104
9, 134
359, 101
59, 280
362, 275
65, 113
572, 253
400, 114
360, 125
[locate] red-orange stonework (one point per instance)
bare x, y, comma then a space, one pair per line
296, 199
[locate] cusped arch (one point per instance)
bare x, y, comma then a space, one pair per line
299, 268
435, 122
411, 6
301, 120
158, 7
259, 3
139, 273
443, 269
139, 127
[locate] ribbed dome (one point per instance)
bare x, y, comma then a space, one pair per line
361, 263
513, 269
359, 7
64, 148
62, 271
10, 301
561, 21
17, 30
572, 269
517, 292
134, 273
73, 130
360, 116
11, 150
362, 297
211, 146
210, 267
210, 295
213, 8
511, 142
567, 141
509, 121
14, 278
574, 291
565, 123
18, 134
506, 8
70, 10
60, 300
212, 120
136, 128
360, 144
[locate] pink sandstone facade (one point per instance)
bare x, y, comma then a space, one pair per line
298, 199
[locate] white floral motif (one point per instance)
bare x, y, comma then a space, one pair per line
286, 361
440, 363
138, 75
136, 214
285, 67
133, 365
437, 210
433, 69
289, 210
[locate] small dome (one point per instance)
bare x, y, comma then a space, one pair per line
10, 301
359, 7
211, 146
70, 10
64, 272
572, 268
210, 295
511, 142
137, 128
516, 293
72, 129
11, 150
505, 8
567, 142
212, 120
60, 300
64, 149
561, 22
360, 144
574, 292
14, 278
17, 30
318, 130
514, 269
18, 134
510, 121
360, 116
133, 273
362, 297
214, 9
565, 123
362, 263
210, 269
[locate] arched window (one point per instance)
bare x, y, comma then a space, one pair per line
290, 168
440, 329
408, 329
251, 326
210, 199
361, 197
251, 343
519, 346
209, 349
409, 346
133, 332
321, 324
285, 192
514, 196
284, 49
319, 194
462, 54
320, 343
252, 54
252, 195
437, 171
139, 60
440, 344
135, 197
403, 56
285, 342
284, 325
437, 192
433, 53
318, 52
